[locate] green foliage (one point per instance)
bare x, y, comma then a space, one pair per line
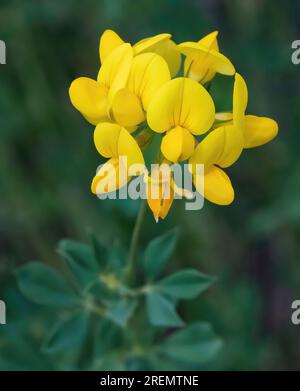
124, 327
161, 311
81, 260
158, 253
67, 333
196, 343
185, 284
121, 311
162, 295
43, 285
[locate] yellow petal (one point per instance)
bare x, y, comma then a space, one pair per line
112, 140
178, 144
90, 98
147, 45
259, 131
127, 146
210, 41
233, 143
240, 100
209, 150
160, 206
213, 59
196, 67
131, 129
148, 73
181, 102
168, 50
223, 146
217, 186
111, 176
106, 139
115, 70
127, 109
109, 41
160, 193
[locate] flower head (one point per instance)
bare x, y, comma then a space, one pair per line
136, 97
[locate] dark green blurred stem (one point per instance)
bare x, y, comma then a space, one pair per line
132, 259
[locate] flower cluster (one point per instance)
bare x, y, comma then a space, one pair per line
138, 96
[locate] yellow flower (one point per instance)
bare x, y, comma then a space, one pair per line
203, 59
256, 130
134, 85
114, 142
210, 152
93, 98
160, 44
223, 146
148, 73
160, 191
123, 90
182, 108
243, 131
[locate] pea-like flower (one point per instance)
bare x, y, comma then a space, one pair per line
148, 73
114, 142
203, 59
94, 98
123, 90
182, 108
160, 44
160, 191
224, 145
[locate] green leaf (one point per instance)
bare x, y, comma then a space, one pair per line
43, 285
108, 336
81, 260
79, 251
67, 333
196, 344
185, 284
158, 253
100, 252
121, 311
161, 311
117, 259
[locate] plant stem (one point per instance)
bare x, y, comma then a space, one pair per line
131, 262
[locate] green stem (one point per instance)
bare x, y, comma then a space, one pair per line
131, 262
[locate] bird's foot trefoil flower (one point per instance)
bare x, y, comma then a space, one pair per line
139, 96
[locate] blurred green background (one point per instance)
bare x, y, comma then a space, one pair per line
48, 159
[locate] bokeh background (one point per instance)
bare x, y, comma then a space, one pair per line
48, 159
